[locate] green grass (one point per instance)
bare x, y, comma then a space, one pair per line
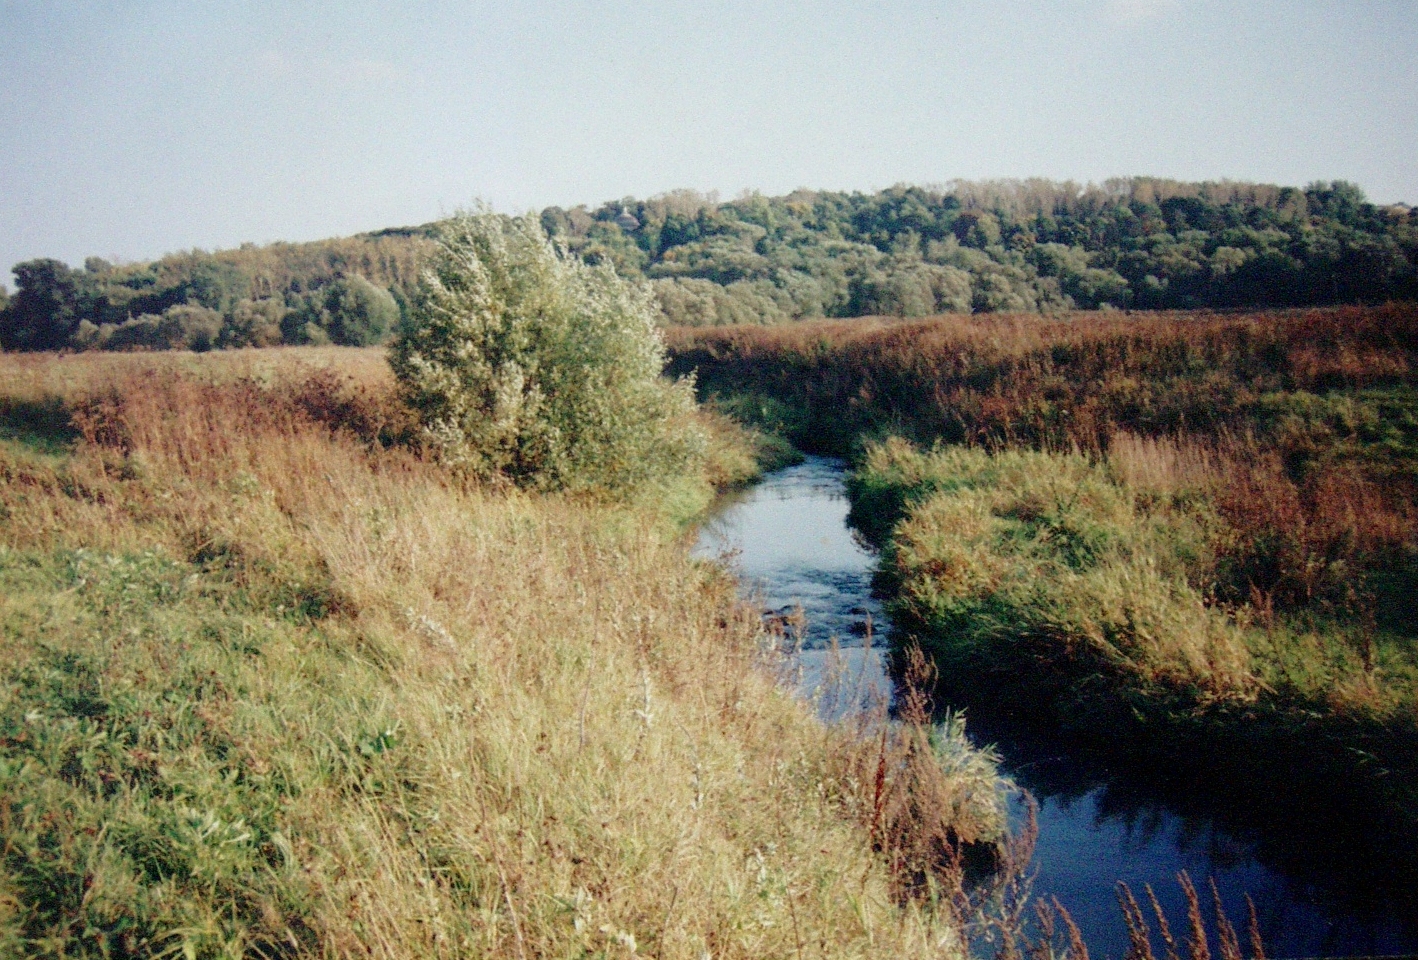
1079, 586
148, 761
1374, 430
1031, 557
40, 424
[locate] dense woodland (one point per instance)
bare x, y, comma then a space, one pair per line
1001, 246
1007, 246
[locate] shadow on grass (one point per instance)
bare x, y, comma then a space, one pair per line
43, 425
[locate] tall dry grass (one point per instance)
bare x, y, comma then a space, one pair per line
1331, 541
33, 376
1165, 467
270, 689
1059, 382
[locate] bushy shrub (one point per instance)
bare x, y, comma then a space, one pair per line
910, 287
692, 302
526, 364
361, 314
186, 326
349, 311
254, 323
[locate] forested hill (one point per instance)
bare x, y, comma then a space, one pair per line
1005, 246
1001, 246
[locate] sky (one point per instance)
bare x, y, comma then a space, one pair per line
129, 130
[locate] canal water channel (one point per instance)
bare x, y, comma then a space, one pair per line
788, 540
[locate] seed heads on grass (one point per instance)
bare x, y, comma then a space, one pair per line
1139, 942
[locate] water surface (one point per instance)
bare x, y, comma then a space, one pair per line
788, 540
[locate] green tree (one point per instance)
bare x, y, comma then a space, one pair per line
254, 323
358, 313
186, 326
526, 364
44, 311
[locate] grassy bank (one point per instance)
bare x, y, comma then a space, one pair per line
272, 685
1200, 530
1087, 594
1032, 555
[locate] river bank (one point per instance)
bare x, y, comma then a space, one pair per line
271, 686
1103, 816
1185, 545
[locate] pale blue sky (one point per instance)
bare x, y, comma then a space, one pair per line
134, 129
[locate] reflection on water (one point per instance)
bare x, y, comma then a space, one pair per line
1087, 843
788, 540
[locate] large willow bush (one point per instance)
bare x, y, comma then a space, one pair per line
527, 365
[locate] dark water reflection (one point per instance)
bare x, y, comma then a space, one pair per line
1315, 893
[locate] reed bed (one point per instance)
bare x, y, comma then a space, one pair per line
1038, 381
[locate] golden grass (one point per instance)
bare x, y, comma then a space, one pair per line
1164, 466
422, 720
29, 376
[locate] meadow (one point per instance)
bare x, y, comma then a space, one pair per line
274, 683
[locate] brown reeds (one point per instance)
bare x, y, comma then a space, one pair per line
1164, 929
923, 815
1198, 945
1041, 381
1046, 943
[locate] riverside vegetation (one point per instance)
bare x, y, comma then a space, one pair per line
279, 678
301, 658
1195, 529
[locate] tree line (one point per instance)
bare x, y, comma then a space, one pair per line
350, 291
1004, 246
963, 247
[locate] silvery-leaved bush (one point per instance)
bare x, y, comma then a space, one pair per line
528, 365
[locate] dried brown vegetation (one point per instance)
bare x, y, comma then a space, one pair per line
1060, 382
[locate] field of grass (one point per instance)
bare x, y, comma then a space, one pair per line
1070, 380
1299, 428
271, 684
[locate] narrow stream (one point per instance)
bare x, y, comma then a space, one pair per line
788, 539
